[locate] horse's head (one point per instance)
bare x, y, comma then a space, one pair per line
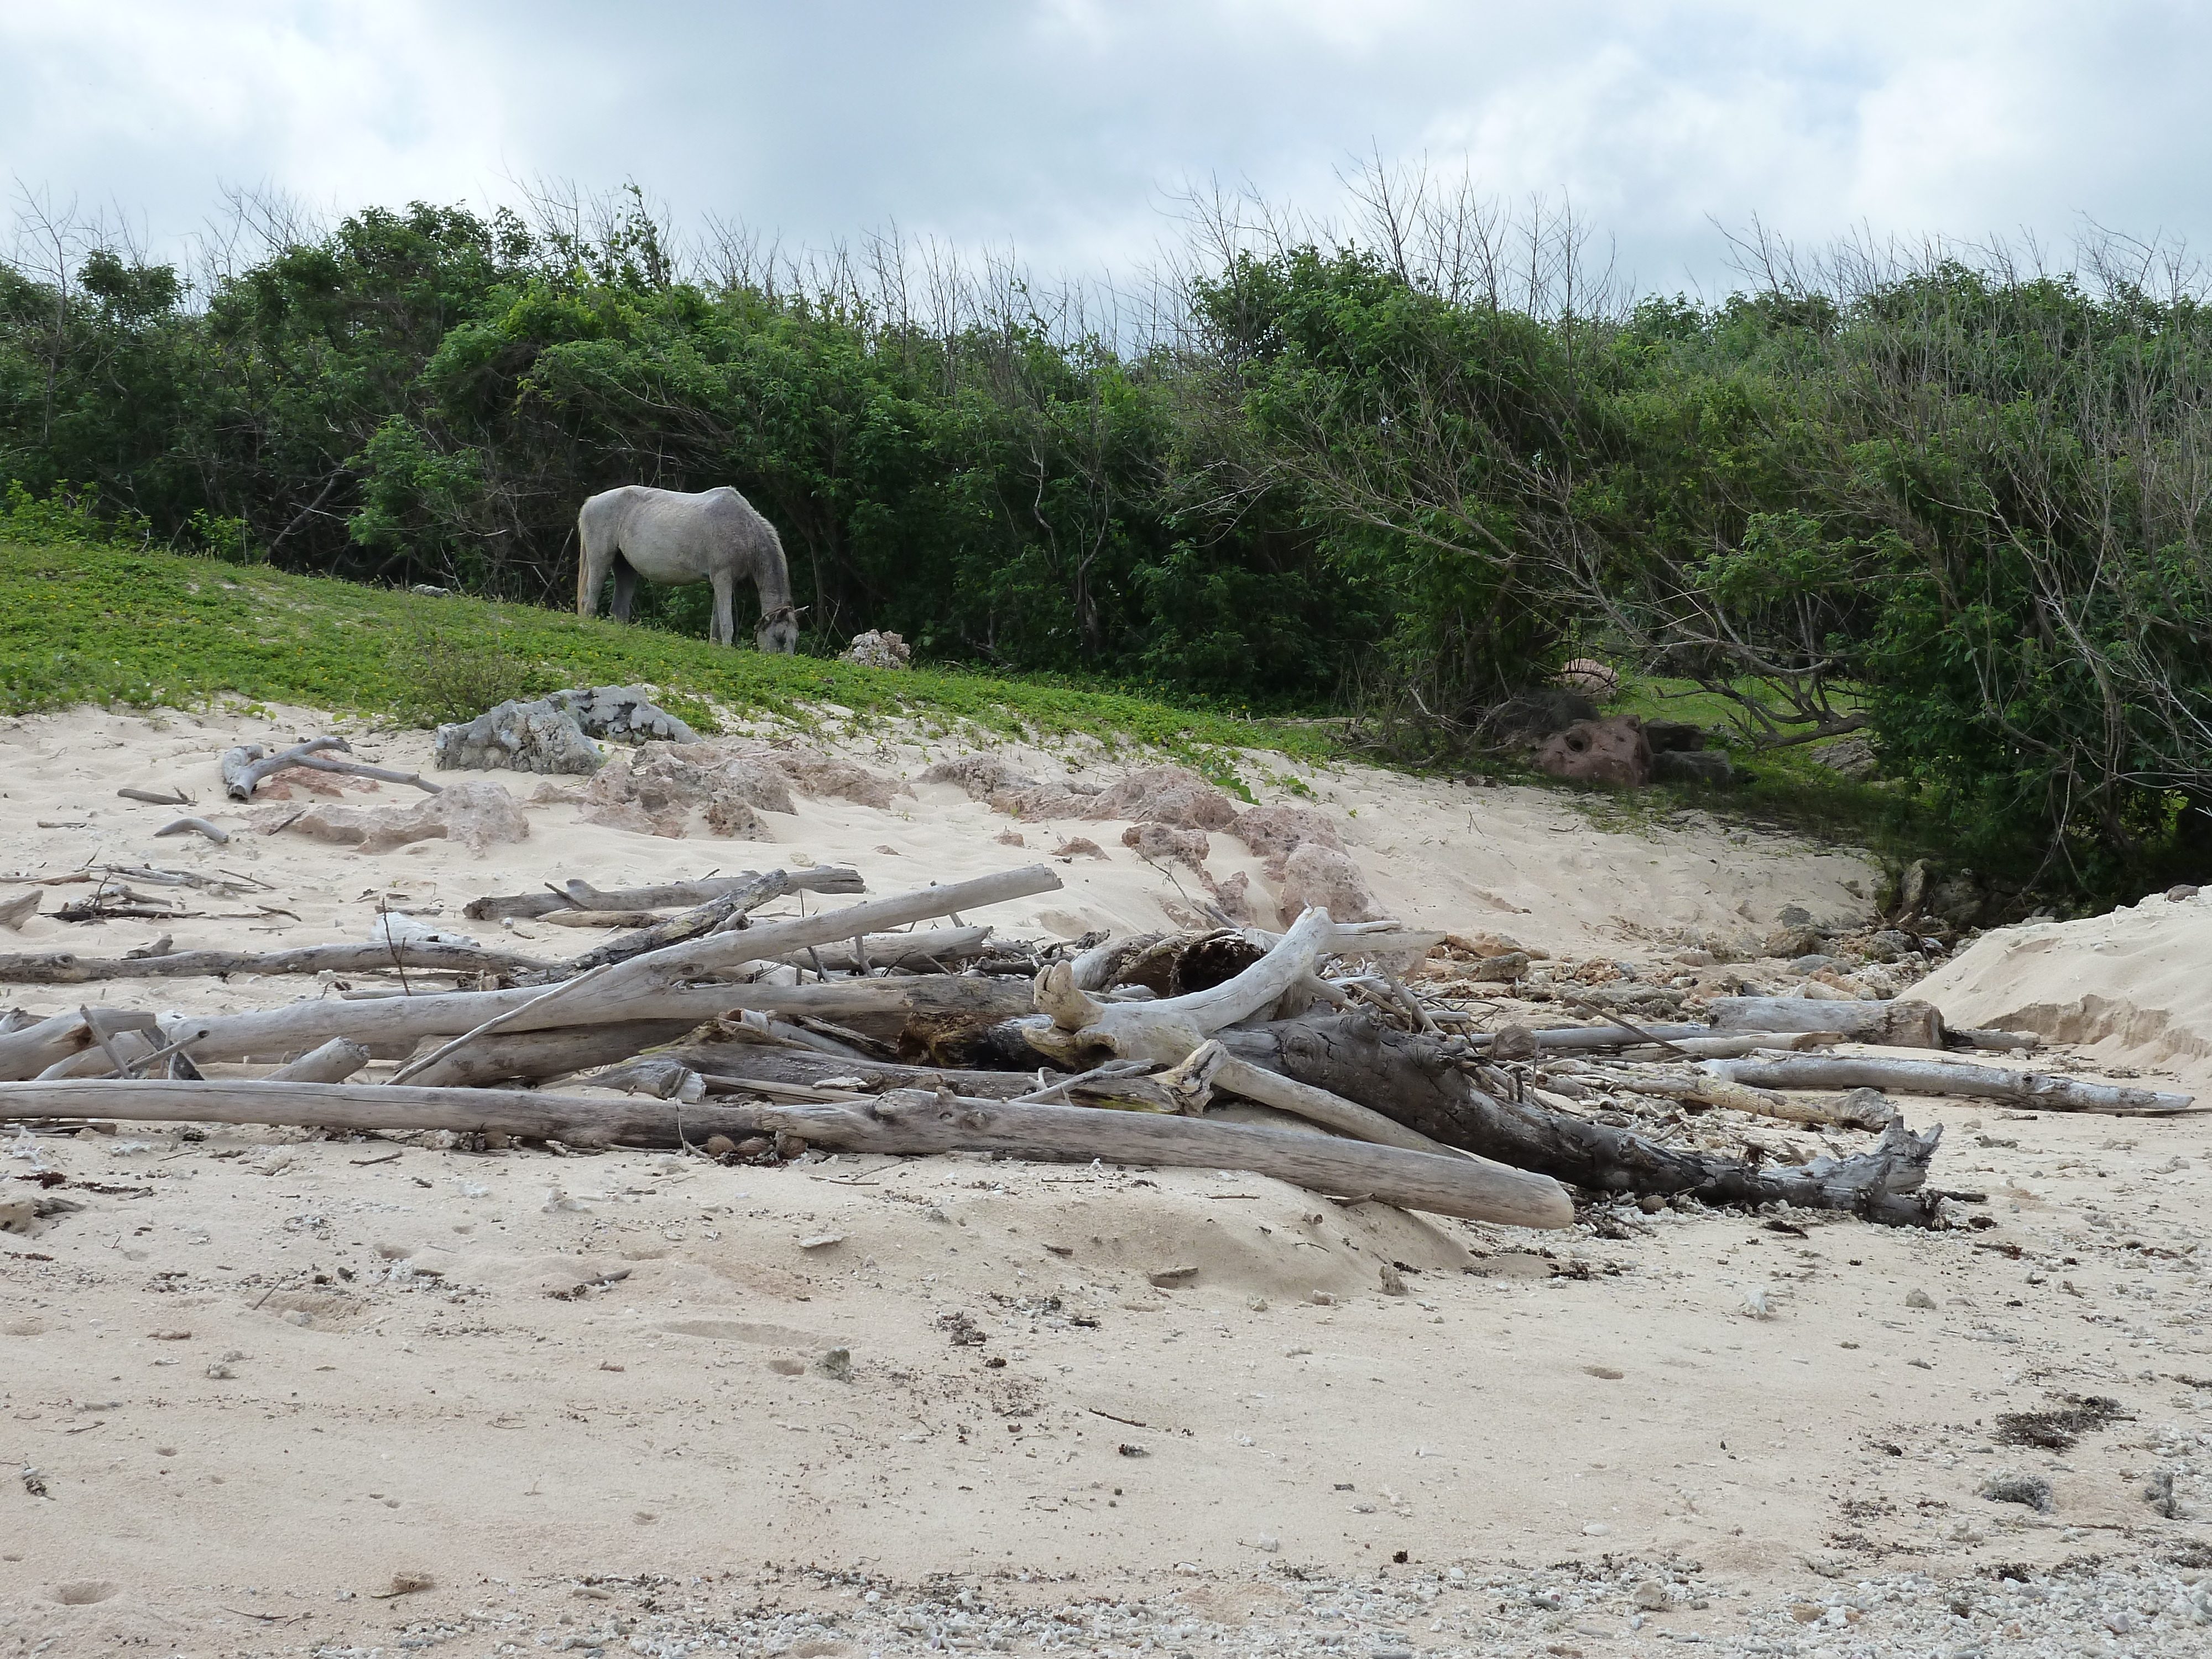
778, 633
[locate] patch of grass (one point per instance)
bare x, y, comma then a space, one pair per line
1786, 788
142, 628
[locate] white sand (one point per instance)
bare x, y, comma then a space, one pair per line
408, 1397
2132, 988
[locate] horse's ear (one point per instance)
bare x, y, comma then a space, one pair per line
799, 612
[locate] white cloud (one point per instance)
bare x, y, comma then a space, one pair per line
1063, 126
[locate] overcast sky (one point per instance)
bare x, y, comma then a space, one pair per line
1066, 127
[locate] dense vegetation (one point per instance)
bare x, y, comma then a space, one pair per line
1954, 502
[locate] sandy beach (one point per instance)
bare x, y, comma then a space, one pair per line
268, 1393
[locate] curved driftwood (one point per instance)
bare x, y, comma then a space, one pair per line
245, 766
1417, 1081
1168, 1029
194, 826
2035, 1090
29, 1050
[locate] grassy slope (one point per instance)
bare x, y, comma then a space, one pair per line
109, 625
144, 629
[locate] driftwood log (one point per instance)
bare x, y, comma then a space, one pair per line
334, 1062
1570, 1039
1712, 1088
902, 1122
530, 1057
938, 1014
2035, 1090
66, 967
1416, 1080
728, 1066
581, 896
1901, 1024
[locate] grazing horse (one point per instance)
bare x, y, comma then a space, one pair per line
665, 536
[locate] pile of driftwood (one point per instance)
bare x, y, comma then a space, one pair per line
894, 1025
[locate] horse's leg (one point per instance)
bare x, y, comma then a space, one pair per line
590, 571
724, 631
625, 587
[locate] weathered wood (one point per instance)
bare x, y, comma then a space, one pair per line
917, 1008
14, 912
918, 1121
1570, 1039
1708, 1088
29, 1050
1729, 1047
610, 919
2037, 1090
723, 912
645, 976
580, 895
1084, 1027
66, 967
1979, 1037
530, 1057
1901, 1024
244, 767
580, 1120
334, 1062
362, 769
173, 797
902, 1121
715, 1057
923, 951
536, 1007
1420, 1083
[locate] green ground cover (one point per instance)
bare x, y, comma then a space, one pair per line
144, 628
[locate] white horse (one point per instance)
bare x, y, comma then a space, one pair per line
665, 536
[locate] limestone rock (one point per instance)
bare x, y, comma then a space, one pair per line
734, 818
518, 736
877, 650
980, 777
1172, 795
1165, 844
478, 814
625, 714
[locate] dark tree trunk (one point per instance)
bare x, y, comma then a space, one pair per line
1411, 1080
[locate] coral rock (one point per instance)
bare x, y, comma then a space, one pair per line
1315, 876
1612, 751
